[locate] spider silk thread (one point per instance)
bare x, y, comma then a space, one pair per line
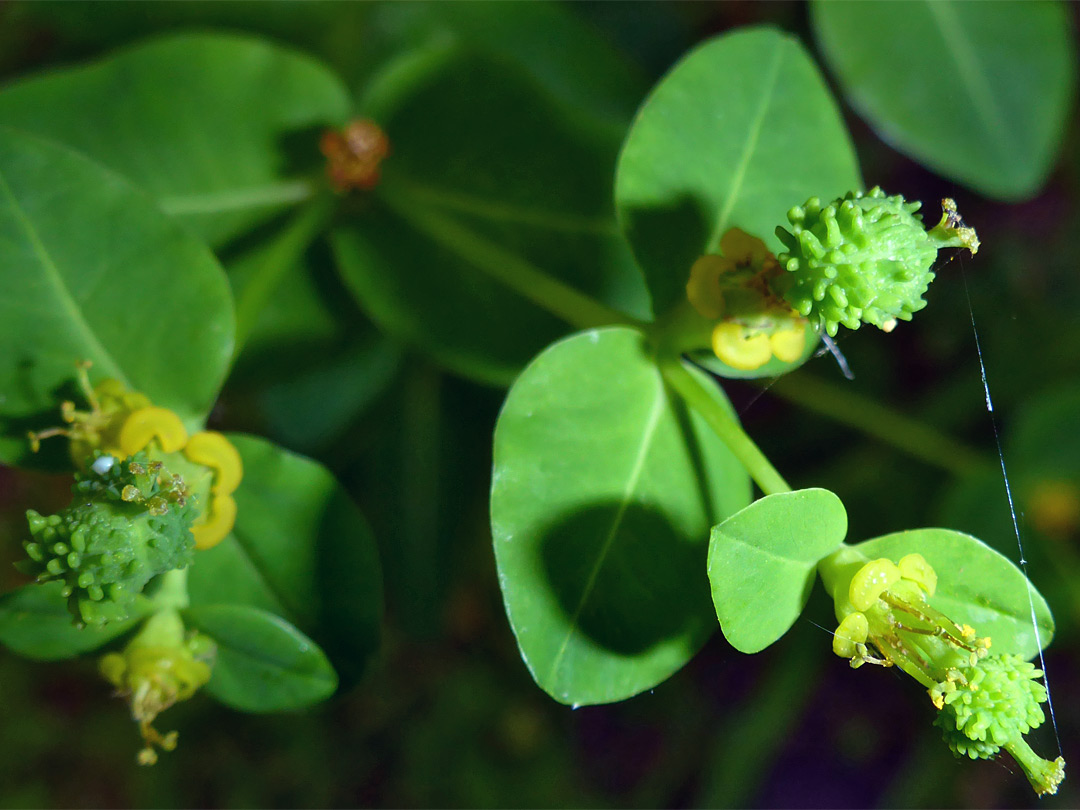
1012, 506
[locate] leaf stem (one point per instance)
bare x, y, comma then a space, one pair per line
257, 274
691, 388
902, 432
171, 592
524, 278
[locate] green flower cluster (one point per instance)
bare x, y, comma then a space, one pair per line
985, 702
129, 522
864, 258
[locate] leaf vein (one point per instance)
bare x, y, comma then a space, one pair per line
752, 136
71, 309
652, 421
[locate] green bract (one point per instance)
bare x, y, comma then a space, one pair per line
128, 523
865, 258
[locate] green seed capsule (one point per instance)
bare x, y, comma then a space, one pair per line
105, 548
865, 258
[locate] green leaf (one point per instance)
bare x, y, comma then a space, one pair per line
263, 663
604, 489
978, 92
312, 363
92, 270
507, 179
36, 623
208, 124
1044, 441
763, 563
301, 549
573, 62
976, 586
741, 129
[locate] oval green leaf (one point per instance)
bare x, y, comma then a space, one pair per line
300, 549
741, 129
976, 585
763, 563
217, 128
92, 270
604, 489
978, 92
263, 663
36, 623
507, 181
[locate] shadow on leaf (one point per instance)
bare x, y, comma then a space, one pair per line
626, 577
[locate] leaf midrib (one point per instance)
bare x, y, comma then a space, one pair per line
752, 136
651, 423
958, 46
498, 211
237, 199
74, 314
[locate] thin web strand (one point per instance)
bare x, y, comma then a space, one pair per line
1012, 509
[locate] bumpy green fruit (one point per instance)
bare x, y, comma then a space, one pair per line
865, 258
128, 523
990, 704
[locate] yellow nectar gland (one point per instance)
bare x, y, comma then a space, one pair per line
754, 326
214, 451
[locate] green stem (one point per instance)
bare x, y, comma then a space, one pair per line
691, 388
902, 432
288, 192
258, 274
576, 308
171, 592
584, 312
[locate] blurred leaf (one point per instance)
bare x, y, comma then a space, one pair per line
310, 409
263, 663
571, 61
311, 364
604, 489
93, 271
257, 274
36, 623
763, 563
978, 92
206, 123
741, 129
1045, 439
976, 585
505, 178
300, 549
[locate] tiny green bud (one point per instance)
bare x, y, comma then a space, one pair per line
865, 258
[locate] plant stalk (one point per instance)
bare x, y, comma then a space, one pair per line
691, 388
